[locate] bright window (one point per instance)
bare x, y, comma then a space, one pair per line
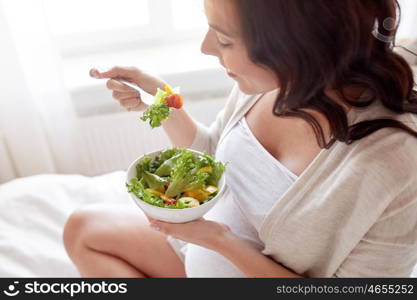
162, 36
76, 16
81, 26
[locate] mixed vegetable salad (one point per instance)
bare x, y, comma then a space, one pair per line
164, 101
177, 178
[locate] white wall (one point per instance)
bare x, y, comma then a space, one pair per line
408, 26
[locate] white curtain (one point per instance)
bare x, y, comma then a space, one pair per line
37, 119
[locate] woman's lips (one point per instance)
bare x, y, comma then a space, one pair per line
231, 74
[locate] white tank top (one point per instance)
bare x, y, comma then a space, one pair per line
255, 181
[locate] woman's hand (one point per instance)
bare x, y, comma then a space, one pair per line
218, 237
207, 234
128, 97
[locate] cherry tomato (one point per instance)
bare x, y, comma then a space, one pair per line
175, 101
170, 202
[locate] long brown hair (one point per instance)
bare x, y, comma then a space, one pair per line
314, 45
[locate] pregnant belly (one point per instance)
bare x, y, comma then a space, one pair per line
202, 262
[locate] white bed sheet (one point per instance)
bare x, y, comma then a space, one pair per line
33, 211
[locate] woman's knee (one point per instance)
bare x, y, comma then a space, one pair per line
93, 227
77, 229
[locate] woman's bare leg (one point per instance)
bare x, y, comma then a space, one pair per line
116, 241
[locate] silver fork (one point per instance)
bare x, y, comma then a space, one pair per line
144, 97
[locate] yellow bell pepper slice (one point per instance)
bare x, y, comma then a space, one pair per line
199, 194
154, 192
168, 89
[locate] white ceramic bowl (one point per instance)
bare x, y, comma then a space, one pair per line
168, 214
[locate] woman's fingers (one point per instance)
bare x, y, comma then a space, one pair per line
148, 83
121, 72
125, 95
129, 98
115, 72
95, 73
118, 87
133, 104
130, 103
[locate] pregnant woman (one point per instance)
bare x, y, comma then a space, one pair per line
320, 135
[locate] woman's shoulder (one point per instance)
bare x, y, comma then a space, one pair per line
389, 145
386, 135
388, 155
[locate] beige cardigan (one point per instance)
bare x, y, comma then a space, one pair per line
352, 212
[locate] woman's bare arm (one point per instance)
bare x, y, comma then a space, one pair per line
180, 128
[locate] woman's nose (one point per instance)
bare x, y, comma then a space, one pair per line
208, 46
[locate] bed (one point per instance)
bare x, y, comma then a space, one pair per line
34, 211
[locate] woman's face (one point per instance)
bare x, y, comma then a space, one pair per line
224, 40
